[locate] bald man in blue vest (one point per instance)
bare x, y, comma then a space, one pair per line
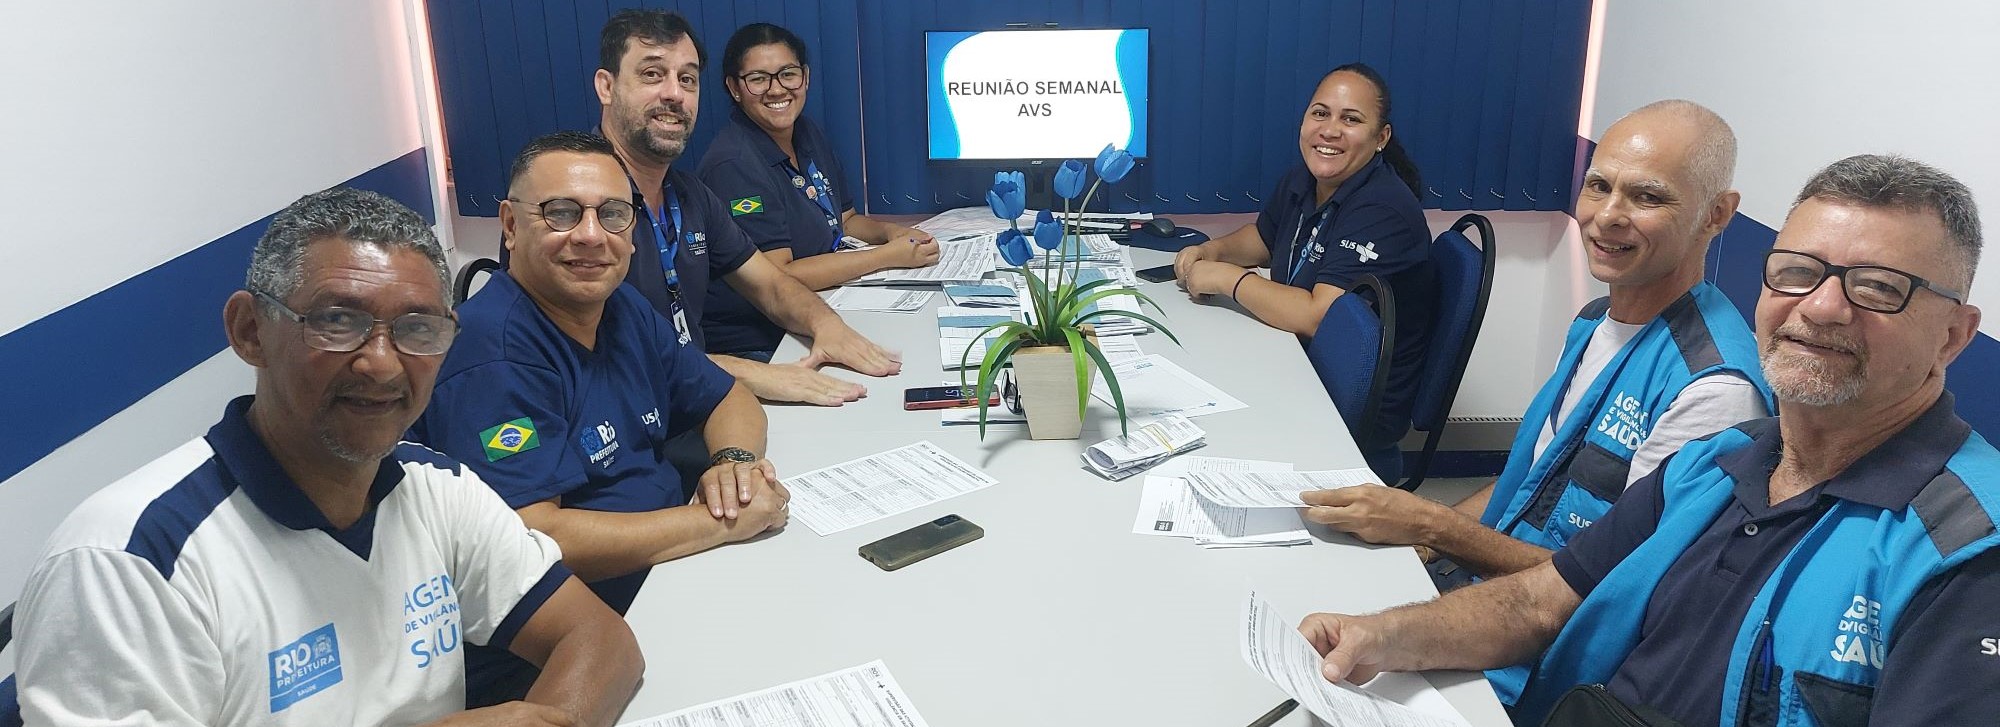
1830, 566
1662, 360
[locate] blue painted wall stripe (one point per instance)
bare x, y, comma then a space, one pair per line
72, 369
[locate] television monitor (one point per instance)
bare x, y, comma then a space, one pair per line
1035, 94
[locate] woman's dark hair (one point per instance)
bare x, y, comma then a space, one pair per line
753, 35
1398, 159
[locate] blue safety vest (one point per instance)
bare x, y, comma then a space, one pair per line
1827, 614
1548, 500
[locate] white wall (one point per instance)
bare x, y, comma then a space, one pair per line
137, 132
1807, 82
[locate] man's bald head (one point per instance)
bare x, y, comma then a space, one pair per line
1710, 143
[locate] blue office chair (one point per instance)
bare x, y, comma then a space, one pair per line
1351, 353
1465, 278
10, 700
462, 287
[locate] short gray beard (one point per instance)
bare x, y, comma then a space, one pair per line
341, 450
1807, 381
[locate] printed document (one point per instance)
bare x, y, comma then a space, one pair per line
1154, 386
861, 491
878, 299
864, 696
1273, 646
1168, 507
965, 261
1272, 489
1123, 456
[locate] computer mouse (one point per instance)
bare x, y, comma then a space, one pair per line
1160, 226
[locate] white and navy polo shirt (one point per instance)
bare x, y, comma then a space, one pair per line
205, 588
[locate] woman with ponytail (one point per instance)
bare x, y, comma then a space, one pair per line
1349, 210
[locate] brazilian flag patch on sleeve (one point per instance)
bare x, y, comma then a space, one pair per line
746, 206
509, 439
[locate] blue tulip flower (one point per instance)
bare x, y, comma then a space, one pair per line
1048, 232
1113, 163
1009, 196
1014, 247
1069, 179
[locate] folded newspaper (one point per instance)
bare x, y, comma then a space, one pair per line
1120, 457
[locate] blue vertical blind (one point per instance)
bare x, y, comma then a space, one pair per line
1485, 93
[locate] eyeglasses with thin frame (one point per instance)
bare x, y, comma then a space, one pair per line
1869, 287
341, 330
564, 214
789, 78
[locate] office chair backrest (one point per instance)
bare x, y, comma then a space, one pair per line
10, 699
1351, 351
1465, 279
462, 288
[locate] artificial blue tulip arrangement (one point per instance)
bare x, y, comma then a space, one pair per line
1061, 306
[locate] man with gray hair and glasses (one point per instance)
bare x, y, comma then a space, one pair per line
299, 564
1830, 566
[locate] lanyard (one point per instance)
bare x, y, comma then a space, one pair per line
670, 243
1298, 254
822, 195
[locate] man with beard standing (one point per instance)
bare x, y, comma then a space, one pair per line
649, 84
1834, 565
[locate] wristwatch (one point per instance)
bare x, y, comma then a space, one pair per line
731, 454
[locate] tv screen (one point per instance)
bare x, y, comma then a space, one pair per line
1035, 94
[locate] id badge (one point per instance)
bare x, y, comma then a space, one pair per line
681, 323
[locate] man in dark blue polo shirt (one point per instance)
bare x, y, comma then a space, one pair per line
1834, 565
565, 386
649, 85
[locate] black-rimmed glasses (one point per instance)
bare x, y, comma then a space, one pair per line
789, 78
1869, 287
341, 330
564, 214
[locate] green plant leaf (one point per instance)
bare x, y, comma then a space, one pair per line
1128, 314
999, 351
1110, 382
1077, 307
1079, 352
1014, 327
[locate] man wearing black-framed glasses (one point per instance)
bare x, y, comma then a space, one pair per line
275, 571
566, 386
1835, 564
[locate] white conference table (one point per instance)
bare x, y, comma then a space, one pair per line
1060, 615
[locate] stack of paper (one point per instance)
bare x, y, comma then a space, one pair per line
1273, 489
984, 295
864, 696
952, 316
1088, 248
1154, 386
877, 299
1120, 457
958, 262
862, 491
1167, 506
1273, 646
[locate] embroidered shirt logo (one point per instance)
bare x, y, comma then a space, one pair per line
509, 439
599, 443
1365, 251
304, 667
746, 206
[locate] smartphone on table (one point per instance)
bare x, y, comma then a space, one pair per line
1160, 274
922, 541
945, 397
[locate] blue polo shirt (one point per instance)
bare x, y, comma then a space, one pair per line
540, 417
1681, 661
767, 196
710, 249
1371, 224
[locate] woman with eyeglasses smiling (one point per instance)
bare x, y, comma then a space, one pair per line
787, 189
